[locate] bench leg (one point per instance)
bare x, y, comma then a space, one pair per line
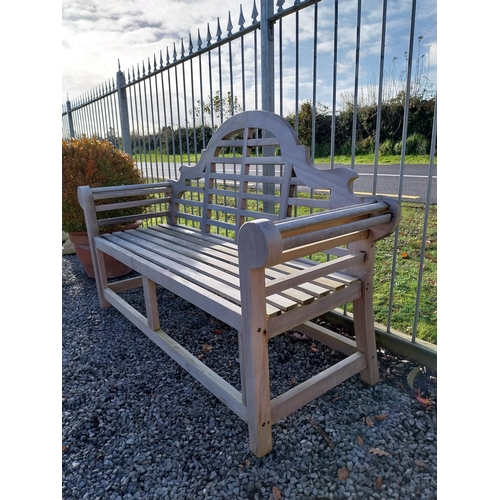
365, 339
149, 287
101, 279
254, 362
364, 326
242, 371
256, 395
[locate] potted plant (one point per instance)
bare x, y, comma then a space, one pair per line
89, 161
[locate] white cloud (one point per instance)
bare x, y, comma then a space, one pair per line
95, 35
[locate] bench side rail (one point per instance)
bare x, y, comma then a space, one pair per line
147, 201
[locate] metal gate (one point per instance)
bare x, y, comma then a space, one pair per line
285, 59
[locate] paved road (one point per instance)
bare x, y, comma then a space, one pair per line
414, 185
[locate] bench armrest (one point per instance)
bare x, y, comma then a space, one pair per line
92, 201
263, 243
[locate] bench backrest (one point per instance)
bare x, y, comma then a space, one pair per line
254, 167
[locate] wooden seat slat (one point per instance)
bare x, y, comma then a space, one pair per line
332, 284
281, 302
297, 295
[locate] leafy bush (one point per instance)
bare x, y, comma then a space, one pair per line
387, 148
416, 144
365, 146
96, 163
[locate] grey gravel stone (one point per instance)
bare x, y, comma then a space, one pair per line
136, 426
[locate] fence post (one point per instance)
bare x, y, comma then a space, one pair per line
267, 54
123, 108
267, 83
70, 119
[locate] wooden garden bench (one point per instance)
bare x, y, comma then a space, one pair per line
232, 238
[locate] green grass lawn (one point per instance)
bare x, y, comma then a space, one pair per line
406, 270
406, 274
385, 160
360, 159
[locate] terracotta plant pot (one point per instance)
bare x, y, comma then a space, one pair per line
114, 268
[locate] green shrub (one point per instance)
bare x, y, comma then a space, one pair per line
96, 163
386, 148
366, 146
416, 144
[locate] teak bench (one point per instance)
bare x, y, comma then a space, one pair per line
229, 237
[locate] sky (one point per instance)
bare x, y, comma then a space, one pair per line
96, 35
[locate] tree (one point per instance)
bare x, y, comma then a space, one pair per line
213, 111
323, 124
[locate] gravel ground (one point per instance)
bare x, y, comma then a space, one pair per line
136, 426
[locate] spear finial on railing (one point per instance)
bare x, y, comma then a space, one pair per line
209, 36
161, 60
154, 62
229, 26
190, 44
241, 20
182, 48
168, 57
143, 69
175, 54
149, 66
254, 13
200, 43
219, 31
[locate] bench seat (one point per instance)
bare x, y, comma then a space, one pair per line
204, 263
